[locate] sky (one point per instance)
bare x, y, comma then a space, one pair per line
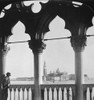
58, 53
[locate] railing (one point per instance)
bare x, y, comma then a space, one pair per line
88, 91
49, 92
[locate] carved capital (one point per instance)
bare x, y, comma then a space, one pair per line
37, 45
3, 48
78, 42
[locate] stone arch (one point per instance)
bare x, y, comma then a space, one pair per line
22, 49
18, 31
53, 26
44, 23
58, 49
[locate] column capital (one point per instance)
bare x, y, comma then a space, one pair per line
78, 42
4, 48
37, 45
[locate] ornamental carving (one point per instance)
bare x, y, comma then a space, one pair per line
37, 45
78, 41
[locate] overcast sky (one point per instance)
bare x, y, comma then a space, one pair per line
58, 53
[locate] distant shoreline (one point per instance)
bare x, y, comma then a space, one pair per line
50, 82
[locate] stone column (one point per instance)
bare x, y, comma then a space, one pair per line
37, 47
78, 44
2, 63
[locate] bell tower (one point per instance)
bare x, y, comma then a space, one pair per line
44, 71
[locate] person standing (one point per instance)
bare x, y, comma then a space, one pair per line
5, 85
2, 81
2, 86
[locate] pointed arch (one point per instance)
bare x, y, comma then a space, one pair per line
18, 31
57, 28
55, 22
44, 23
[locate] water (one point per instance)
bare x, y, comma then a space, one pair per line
90, 81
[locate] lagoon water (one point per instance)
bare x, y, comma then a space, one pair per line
90, 81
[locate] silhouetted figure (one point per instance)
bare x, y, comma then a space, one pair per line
2, 86
2, 80
5, 85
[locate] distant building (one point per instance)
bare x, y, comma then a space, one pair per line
72, 77
25, 79
50, 77
54, 76
86, 77
62, 76
44, 71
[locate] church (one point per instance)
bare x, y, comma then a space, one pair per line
55, 75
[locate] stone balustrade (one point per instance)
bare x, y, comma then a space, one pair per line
49, 92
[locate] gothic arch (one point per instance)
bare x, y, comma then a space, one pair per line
61, 31
43, 26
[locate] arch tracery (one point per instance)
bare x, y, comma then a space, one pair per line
61, 9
